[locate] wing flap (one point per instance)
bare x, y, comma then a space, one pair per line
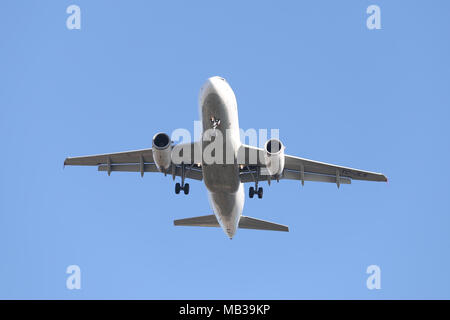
294, 175
151, 167
195, 174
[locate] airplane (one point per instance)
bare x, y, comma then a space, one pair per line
227, 167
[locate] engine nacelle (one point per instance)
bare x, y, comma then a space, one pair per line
274, 157
162, 151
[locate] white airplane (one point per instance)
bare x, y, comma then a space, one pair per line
225, 175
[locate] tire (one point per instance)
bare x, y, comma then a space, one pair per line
186, 188
251, 192
260, 192
177, 188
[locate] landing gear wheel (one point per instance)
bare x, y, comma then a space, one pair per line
177, 188
186, 188
260, 192
251, 192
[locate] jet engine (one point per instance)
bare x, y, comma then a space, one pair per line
162, 151
274, 157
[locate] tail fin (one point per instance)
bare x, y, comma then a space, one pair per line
244, 223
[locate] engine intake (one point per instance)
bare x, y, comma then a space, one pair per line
274, 157
162, 151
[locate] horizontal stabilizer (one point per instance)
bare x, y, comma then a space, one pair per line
252, 223
244, 223
203, 221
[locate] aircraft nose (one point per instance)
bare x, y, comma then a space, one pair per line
206, 86
214, 85
211, 85
217, 78
213, 82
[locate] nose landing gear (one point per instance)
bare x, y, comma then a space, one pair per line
215, 122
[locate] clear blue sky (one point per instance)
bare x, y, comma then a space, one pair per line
377, 100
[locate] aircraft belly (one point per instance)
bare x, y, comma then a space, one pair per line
220, 178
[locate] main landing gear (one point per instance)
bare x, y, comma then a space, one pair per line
252, 191
255, 190
183, 186
179, 187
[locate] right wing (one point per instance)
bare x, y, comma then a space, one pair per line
296, 168
317, 167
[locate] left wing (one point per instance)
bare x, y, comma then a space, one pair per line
134, 161
113, 158
296, 168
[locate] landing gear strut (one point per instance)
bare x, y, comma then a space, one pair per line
183, 186
255, 190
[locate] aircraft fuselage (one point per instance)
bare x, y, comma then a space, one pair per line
218, 112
